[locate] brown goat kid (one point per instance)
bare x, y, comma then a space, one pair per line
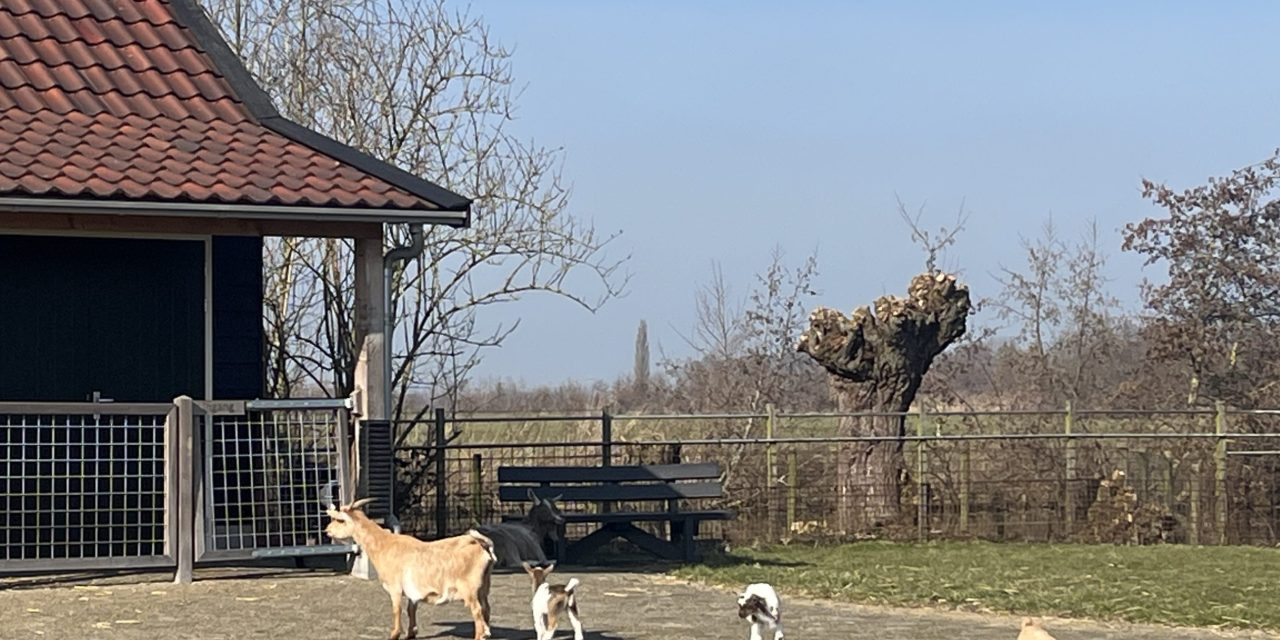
441, 571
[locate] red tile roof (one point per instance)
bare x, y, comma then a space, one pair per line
142, 100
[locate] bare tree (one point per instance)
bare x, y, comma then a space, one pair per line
744, 356
426, 88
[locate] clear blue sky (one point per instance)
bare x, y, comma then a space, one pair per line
715, 130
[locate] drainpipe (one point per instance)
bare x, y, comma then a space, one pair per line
396, 254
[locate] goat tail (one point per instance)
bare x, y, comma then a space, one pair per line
573, 584
486, 542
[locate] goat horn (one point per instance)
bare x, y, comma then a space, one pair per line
557, 498
360, 503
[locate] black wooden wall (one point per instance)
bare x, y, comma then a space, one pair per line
125, 317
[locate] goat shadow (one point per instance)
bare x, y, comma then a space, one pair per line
467, 630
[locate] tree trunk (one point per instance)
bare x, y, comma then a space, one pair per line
868, 474
877, 361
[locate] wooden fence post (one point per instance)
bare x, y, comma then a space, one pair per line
477, 488
442, 472
964, 488
606, 439
770, 472
793, 483
1220, 471
1069, 494
922, 502
1194, 533
186, 524
606, 450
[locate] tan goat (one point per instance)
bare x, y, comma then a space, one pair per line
1031, 630
441, 571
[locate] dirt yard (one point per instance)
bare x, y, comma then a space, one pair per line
322, 605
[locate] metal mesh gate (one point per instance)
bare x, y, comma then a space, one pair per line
84, 486
269, 473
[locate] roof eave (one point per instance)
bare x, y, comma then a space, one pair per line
192, 16
42, 204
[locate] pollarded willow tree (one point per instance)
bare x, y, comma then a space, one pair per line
876, 358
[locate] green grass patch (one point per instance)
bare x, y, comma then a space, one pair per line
1166, 584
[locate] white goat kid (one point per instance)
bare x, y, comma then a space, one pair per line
551, 601
759, 605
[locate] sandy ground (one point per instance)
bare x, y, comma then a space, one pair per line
319, 605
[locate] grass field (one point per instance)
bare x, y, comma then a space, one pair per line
1167, 584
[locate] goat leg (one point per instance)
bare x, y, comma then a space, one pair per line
552, 623
539, 626
477, 616
396, 599
413, 620
573, 620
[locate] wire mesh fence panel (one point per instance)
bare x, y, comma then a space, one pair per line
477, 448
84, 490
1118, 477
269, 476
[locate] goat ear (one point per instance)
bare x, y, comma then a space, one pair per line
533, 497
338, 515
528, 566
550, 566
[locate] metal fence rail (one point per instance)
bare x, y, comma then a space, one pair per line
1192, 476
84, 486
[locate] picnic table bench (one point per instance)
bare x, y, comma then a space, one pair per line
607, 486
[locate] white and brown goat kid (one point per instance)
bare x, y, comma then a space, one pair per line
441, 571
759, 604
552, 601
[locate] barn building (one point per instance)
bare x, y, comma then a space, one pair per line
141, 166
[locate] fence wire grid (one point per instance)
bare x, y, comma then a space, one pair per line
82, 487
1125, 477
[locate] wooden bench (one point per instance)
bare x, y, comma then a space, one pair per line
607, 486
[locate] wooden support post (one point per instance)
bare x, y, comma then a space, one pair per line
370, 381
186, 483
770, 472
1220, 472
1069, 481
793, 486
370, 329
477, 489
